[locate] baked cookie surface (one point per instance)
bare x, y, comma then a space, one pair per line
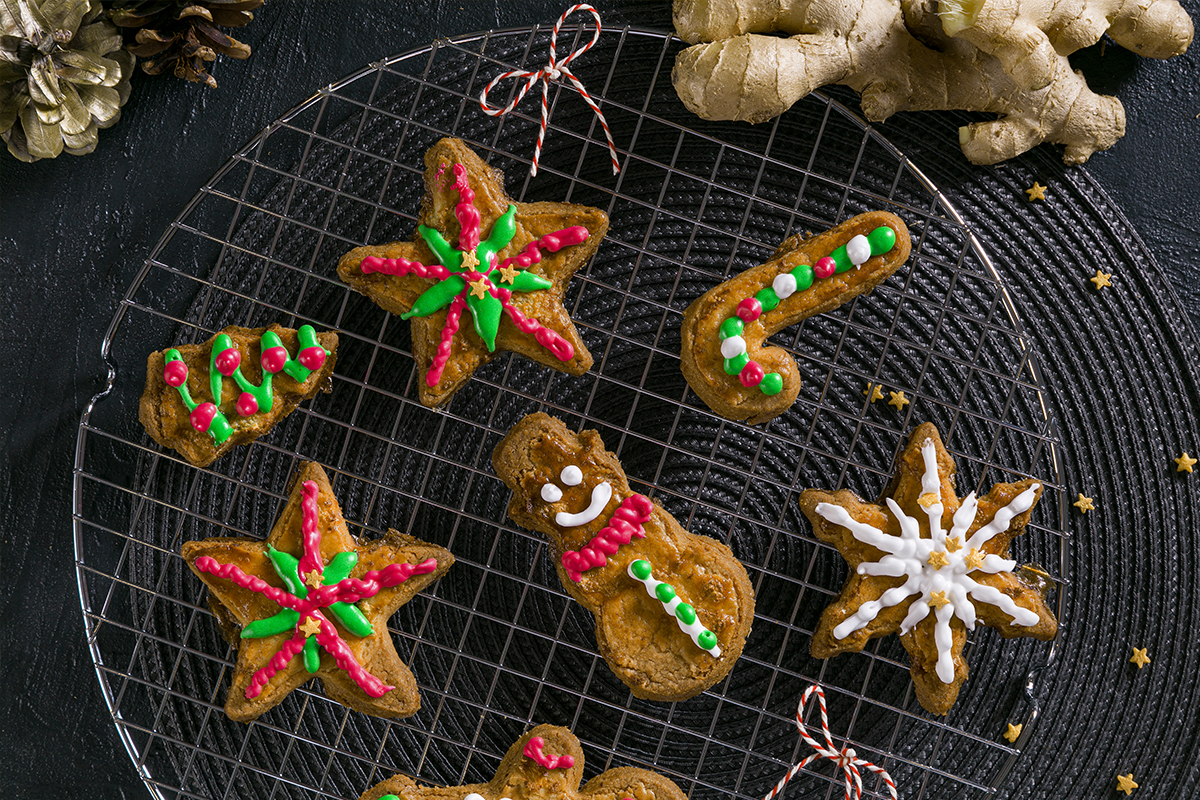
482, 275
313, 601
929, 566
723, 353
204, 399
616, 550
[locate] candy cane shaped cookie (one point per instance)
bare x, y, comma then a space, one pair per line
672, 608
724, 356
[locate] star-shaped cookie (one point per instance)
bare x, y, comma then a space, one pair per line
929, 566
479, 254
286, 631
544, 764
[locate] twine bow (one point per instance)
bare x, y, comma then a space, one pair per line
554, 70
845, 758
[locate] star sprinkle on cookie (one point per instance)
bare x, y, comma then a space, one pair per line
1036, 192
1013, 732
1139, 657
1084, 504
329, 624
907, 578
1101, 279
1185, 463
477, 252
1125, 784
898, 400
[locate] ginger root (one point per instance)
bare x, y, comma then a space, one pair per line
1007, 57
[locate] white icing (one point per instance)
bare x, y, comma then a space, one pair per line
694, 630
908, 556
601, 494
551, 493
733, 347
858, 250
784, 285
474, 796
571, 475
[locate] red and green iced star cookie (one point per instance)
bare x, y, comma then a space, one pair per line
483, 274
312, 601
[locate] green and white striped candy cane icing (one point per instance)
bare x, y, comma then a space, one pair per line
683, 613
733, 347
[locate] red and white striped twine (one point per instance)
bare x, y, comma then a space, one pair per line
845, 758
553, 70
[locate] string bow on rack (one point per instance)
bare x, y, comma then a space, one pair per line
554, 70
845, 758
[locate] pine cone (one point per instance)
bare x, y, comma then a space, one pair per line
182, 35
63, 76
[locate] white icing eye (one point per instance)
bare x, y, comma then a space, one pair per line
571, 476
551, 493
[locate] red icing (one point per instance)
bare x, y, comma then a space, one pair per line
290, 649
310, 532
202, 416
751, 374
553, 242
228, 360
468, 215
626, 523
749, 309
824, 267
247, 404
453, 314
274, 359
402, 266
312, 358
533, 749
551, 340
175, 373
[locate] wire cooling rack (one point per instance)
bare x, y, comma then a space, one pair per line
496, 645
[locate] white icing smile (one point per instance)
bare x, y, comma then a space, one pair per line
601, 494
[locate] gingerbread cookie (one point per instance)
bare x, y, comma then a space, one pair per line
723, 355
312, 601
544, 764
505, 264
672, 609
912, 573
203, 399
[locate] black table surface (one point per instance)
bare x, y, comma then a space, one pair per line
77, 229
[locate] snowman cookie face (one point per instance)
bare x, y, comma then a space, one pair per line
571, 476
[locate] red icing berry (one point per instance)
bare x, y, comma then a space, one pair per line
312, 358
202, 416
175, 373
751, 374
228, 360
247, 404
273, 359
824, 267
749, 309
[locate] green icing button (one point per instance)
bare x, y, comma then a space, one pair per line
841, 259
772, 384
733, 366
707, 640
732, 327
685, 613
882, 239
804, 276
767, 297
664, 592
641, 569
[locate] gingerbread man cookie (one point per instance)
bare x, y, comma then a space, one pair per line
723, 355
203, 399
928, 566
504, 264
672, 608
545, 763
312, 601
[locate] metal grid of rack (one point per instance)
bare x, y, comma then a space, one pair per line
497, 645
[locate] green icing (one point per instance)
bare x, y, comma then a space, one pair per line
841, 259
732, 327
882, 239
283, 622
312, 657
685, 613
527, 282
804, 276
733, 366
772, 384
641, 569
665, 592
707, 640
767, 298
436, 297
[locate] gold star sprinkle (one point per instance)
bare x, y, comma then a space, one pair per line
1101, 279
974, 559
954, 545
508, 274
311, 627
938, 599
313, 579
937, 559
1185, 463
469, 259
1084, 504
898, 400
1125, 784
928, 499
479, 288
1013, 732
1139, 657
1036, 192
873, 392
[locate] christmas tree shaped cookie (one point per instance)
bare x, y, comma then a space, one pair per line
929, 566
203, 399
544, 764
312, 601
483, 274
